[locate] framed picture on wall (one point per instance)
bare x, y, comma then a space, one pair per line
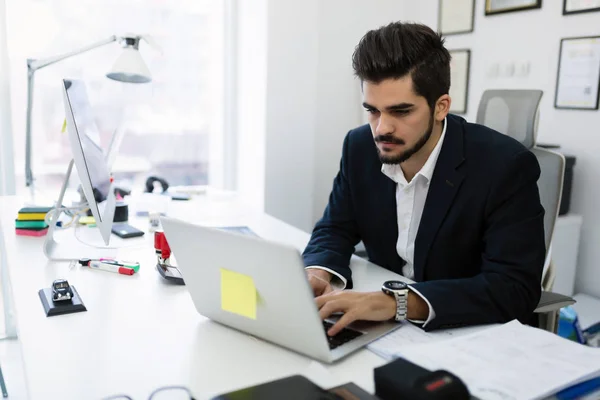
578, 80
580, 6
459, 80
493, 7
456, 16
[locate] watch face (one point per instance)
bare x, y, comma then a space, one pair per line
395, 285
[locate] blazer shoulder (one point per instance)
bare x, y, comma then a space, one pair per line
359, 144
360, 136
488, 144
359, 153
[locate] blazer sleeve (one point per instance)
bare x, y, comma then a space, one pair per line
336, 234
509, 284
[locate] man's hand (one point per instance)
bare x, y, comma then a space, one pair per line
371, 306
319, 281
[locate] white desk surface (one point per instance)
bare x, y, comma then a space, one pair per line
140, 332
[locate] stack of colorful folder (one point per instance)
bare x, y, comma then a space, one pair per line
31, 221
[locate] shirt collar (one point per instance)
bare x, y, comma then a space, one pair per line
394, 171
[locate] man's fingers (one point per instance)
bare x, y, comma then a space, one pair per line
325, 297
331, 307
343, 322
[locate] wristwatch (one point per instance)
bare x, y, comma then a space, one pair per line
399, 290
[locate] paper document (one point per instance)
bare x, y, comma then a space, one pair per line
578, 73
511, 361
408, 334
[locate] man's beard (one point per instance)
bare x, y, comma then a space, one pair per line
400, 158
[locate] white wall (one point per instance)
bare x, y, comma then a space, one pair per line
7, 173
312, 100
291, 108
341, 25
534, 37
252, 98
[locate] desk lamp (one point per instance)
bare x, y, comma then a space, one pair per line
129, 67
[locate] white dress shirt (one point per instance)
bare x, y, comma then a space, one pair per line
410, 201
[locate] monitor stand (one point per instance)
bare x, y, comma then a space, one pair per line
71, 249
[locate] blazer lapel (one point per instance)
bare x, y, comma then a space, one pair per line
387, 219
444, 185
389, 232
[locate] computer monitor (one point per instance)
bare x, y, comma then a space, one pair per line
92, 169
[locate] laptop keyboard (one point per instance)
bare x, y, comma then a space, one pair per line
344, 336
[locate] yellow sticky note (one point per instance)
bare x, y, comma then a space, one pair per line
238, 293
87, 220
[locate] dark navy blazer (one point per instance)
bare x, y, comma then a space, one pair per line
479, 251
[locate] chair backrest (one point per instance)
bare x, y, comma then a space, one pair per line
512, 112
550, 185
516, 113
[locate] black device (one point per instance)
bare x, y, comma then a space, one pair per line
165, 187
294, 387
121, 212
179, 196
126, 231
150, 184
401, 379
170, 273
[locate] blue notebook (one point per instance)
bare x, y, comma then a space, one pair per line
239, 229
587, 388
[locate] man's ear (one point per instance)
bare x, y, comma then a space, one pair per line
442, 108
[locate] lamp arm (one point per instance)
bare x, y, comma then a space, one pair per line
28, 170
34, 65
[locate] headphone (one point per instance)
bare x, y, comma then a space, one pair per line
150, 184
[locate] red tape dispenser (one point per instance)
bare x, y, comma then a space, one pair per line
163, 254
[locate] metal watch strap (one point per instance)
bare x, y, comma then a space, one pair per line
401, 304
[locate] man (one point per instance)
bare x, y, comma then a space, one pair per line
452, 205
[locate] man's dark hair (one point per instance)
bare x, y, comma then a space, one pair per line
395, 50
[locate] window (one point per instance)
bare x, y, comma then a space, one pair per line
172, 127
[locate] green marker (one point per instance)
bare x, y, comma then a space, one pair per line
134, 265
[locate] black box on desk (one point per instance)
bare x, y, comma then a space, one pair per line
294, 387
565, 200
401, 379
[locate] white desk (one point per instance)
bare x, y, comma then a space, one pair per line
140, 332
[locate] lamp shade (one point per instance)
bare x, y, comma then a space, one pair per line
130, 67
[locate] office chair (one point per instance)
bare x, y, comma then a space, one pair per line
3, 385
516, 113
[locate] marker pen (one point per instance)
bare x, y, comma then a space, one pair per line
119, 269
129, 264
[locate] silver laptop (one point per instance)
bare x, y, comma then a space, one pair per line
285, 312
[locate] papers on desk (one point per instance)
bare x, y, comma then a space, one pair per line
147, 203
511, 361
409, 334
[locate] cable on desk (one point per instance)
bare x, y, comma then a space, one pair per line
77, 227
68, 211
